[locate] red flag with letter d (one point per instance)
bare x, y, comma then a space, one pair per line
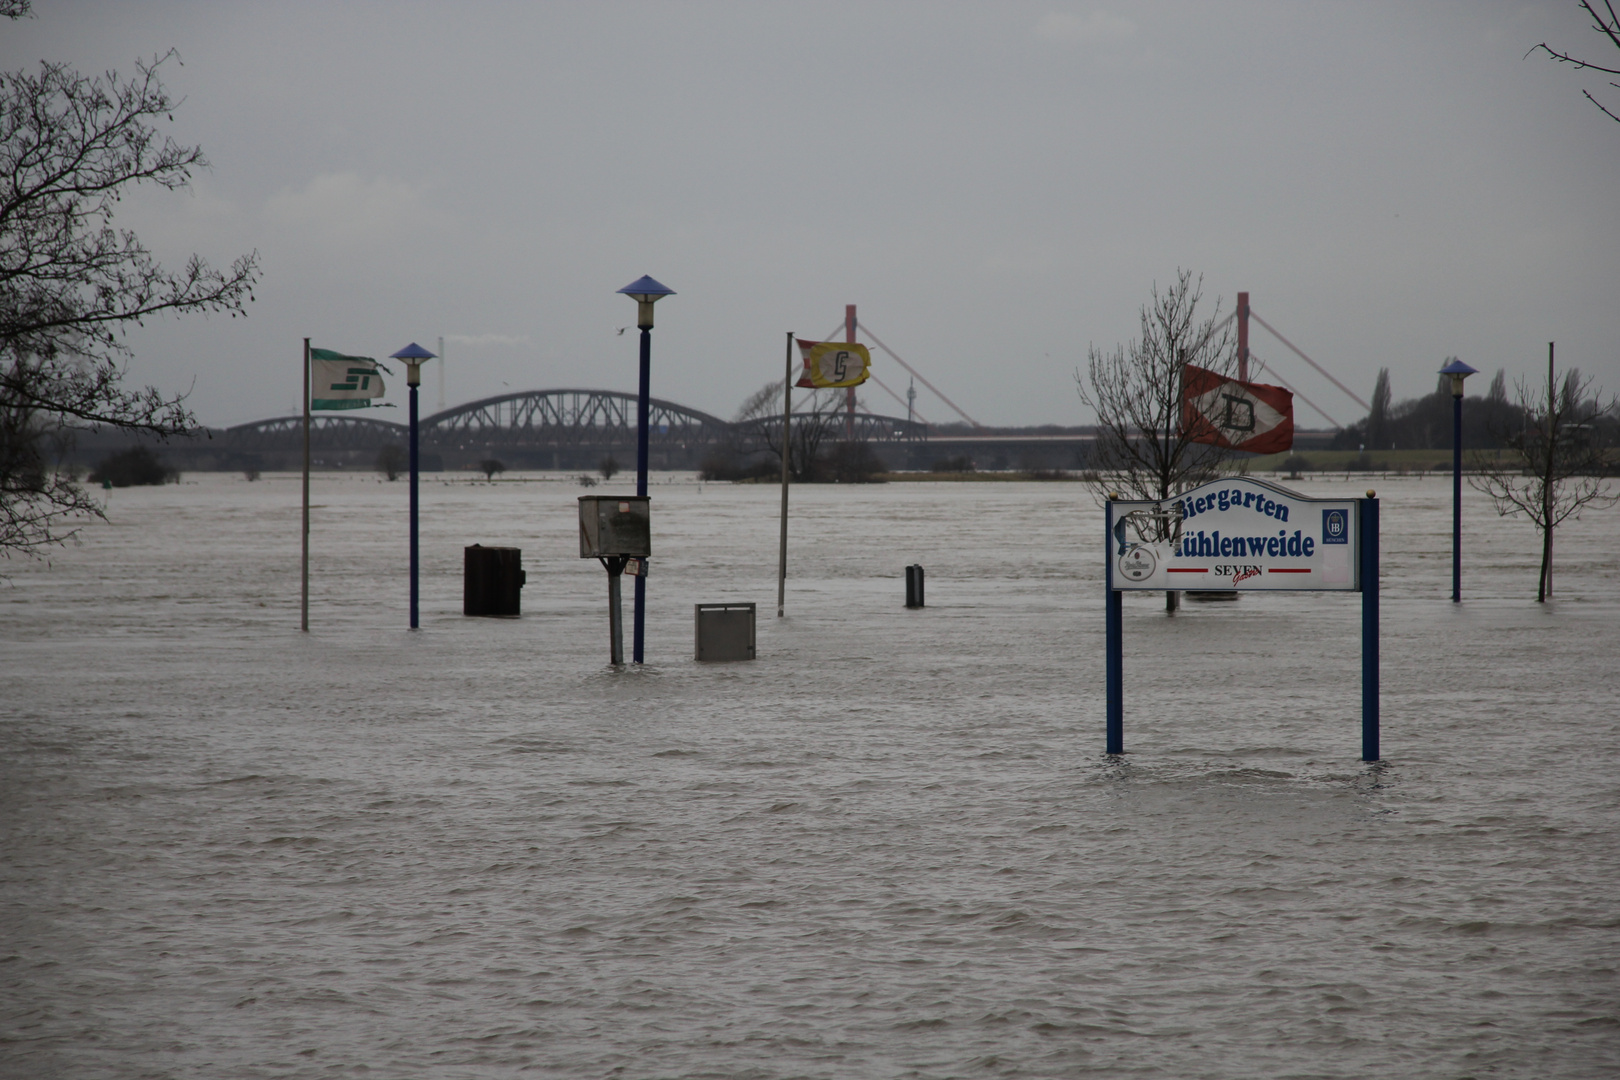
1239, 415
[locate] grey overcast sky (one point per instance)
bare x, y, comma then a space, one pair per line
996, 185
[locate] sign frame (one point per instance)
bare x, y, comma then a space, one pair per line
1167, 520
1225, 535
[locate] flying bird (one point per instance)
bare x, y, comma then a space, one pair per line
622, 329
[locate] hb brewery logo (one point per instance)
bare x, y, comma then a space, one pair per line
1335, 526
1137, 564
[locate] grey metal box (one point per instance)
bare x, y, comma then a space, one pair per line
615, 525
724, 631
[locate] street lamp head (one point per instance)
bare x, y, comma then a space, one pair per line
413, 355
1458, 372
646, 292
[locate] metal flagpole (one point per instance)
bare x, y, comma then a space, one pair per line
787, 430
849, 393
303, 606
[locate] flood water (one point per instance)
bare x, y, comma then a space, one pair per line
889, 847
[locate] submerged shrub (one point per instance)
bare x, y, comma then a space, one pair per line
137, 465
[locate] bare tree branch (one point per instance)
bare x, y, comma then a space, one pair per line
1609, 27
1141, 450
70, 283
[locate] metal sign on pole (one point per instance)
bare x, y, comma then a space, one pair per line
616, 530
1242, 535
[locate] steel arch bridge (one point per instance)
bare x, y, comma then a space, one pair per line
570, 420
327, 431
569, 428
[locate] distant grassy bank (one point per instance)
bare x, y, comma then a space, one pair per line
1398, 461
977, 477
1389, 461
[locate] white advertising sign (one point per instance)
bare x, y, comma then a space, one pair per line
1237, 533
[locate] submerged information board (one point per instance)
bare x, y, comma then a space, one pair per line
1236, 533
1242, 534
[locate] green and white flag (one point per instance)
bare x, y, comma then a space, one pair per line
342, 382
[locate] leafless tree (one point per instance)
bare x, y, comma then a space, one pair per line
1142, 450
70, 284
1607, 24
1554, 466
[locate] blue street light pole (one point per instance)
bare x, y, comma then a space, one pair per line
413, 355
645, 292
1458, 372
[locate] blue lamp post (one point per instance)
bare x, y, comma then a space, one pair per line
413, 355
1458, 372
645, 292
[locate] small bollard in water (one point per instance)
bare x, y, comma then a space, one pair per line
914, 586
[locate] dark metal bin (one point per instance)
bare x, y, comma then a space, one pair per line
724, 631
492, 580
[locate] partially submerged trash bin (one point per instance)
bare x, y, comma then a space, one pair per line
492, 580
724, 631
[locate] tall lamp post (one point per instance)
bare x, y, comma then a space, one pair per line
645, 292
1458, 372
413, 355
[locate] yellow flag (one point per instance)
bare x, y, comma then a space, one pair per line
834, 363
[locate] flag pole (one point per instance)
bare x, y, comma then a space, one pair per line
303, 604
787, 428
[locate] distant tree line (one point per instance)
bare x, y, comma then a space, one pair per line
1490, 422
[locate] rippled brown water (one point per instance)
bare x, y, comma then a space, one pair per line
889, 847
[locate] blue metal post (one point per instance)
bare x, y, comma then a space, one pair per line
641, 481
413, 508
1456, 498
1369, 629
1114, 648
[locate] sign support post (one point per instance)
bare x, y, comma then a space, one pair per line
1369, 627
1115, 647
303, 594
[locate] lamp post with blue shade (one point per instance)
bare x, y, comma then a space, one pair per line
413, 355
1458, 372
645, 292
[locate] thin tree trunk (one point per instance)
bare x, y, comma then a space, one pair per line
1547, 487
1544, 585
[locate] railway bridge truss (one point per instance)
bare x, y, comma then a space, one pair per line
545, 429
